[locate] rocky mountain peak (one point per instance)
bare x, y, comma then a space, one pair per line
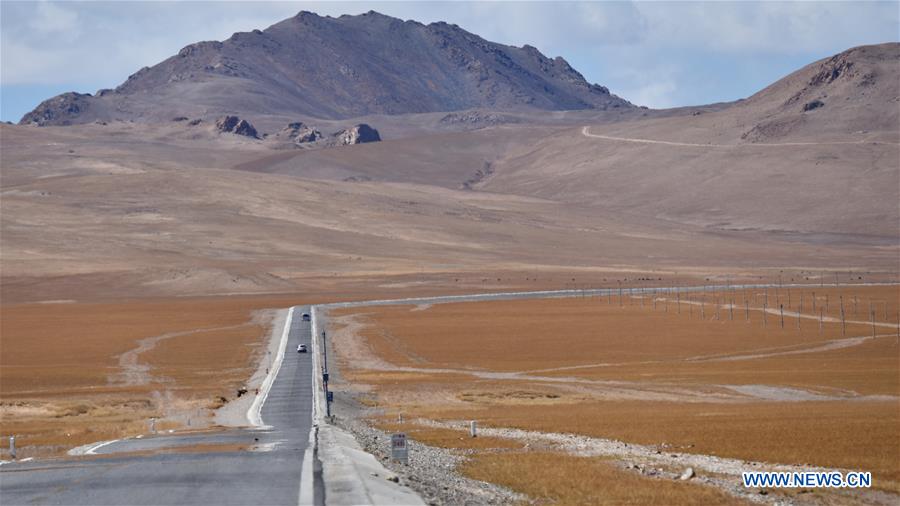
336, 68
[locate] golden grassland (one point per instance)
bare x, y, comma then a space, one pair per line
62, 384
540, 334
847, 435
591, 366
568, 480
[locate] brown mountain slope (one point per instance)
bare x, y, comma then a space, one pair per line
331, 68
829, 173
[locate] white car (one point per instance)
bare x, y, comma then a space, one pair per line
301, 348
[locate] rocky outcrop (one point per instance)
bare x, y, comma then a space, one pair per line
473, 120
815, 104
298, 133
58, 110
357, 134
235, 125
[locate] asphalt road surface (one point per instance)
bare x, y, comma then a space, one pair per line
269, 474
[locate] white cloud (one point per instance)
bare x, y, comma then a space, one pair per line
774, 27
56, 20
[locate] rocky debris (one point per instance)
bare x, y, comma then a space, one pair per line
431, 471
721, 472
235, 125
356, 179
299, 133
772, 129
687, 474
815, 104
835, 67
476, 119
58, 110
195, 122
357, 134
178, 119
480, 175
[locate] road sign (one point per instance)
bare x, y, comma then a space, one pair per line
325, 377
330, 396
399, 450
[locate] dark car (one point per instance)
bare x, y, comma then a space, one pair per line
306, 317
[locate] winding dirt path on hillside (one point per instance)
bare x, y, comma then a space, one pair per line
587, 133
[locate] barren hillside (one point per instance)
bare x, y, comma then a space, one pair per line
327, 68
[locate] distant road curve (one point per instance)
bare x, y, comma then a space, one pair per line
587, 133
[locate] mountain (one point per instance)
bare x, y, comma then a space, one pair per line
854, 91
163, 208
334, 68
812, 157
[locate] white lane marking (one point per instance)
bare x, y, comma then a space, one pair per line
306, 495
254, 414
27, 459
306, 473
93, 450
89, 449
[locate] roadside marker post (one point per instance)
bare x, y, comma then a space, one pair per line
12, 447
399, 448
473, 428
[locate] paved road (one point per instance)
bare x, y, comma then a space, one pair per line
271, 475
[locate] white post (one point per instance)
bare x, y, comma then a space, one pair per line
473, 428
12, 447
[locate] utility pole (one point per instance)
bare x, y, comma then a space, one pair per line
843, 321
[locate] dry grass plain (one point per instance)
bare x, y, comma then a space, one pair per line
75, 373
725, 387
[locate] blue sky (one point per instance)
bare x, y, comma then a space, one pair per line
660, 54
